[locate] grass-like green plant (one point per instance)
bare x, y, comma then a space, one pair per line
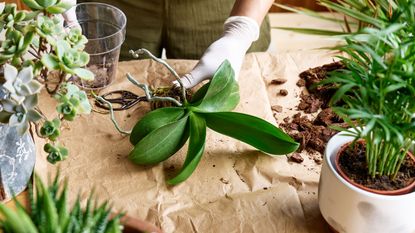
39, 53
378, 87
378, 84
162, 132
50, 212
356, 15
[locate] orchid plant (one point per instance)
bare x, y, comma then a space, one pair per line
164, 131
38, 53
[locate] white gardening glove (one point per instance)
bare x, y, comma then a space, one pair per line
239, 33
70, 15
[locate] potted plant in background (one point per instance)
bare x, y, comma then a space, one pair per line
367, 178
38, 53
50, 212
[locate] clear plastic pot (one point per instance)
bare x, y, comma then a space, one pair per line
104, 26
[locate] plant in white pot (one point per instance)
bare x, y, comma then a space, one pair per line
368, 176
36, 53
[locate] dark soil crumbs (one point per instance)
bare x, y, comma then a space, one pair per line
278, 81
353, 162
283, 92
296, 158
313, 134
319, 95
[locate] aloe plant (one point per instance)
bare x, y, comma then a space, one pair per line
39, 53
162, 132
49, 211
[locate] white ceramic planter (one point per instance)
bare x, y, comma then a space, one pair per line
349, 209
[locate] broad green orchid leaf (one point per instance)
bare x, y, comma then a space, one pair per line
195, 150
160, 144
200, 94
251, 130
155, 120
223, 91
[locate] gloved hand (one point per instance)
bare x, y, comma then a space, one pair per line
239, 33
70, 15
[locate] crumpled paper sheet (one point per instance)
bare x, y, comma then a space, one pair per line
235, 187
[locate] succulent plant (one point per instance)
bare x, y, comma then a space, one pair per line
55, 153
10, 15
49, 28
21, 84
15, 45
50, 212
76, 39
50, 129
49, 6
37, 51
69, 60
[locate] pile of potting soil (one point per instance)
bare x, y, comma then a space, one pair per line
311, 132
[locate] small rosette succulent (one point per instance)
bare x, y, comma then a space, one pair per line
15, 46
69, 60
21, 84
55, 153
73, 101
49, 28
19, 116
9, 15
50, 129
76, 39
50, 6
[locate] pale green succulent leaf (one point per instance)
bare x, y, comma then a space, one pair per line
46, 3
26, 74
84, 74
33, 115
50, 61
33, 4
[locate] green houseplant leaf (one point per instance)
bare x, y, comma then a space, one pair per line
162, 132
222, 87
160, 144
251, 130
195, 150
155, 120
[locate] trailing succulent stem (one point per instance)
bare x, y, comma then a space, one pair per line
162, 132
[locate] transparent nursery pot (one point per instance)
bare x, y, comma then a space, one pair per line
104, 27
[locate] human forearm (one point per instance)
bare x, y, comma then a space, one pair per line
255, 9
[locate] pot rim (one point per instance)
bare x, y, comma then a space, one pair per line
329, 156
407, 189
